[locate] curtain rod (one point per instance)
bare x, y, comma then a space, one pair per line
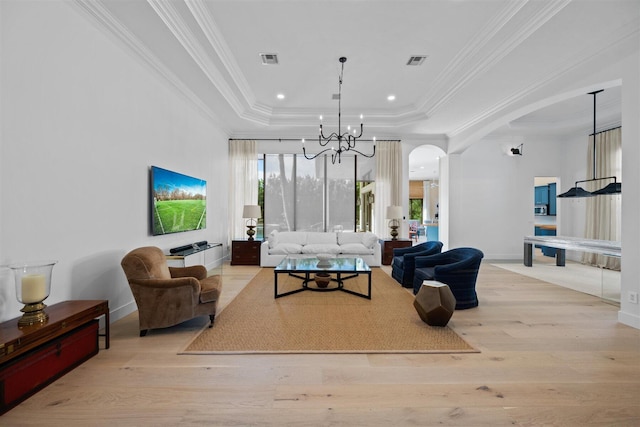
606, 130
300, 139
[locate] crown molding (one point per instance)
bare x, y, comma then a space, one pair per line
244, 106
106, 22
309, 117
579, 60
447, 84
464, 68
180, 29
210, 29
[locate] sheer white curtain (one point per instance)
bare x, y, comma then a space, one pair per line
243, 184
388, 183
603, 212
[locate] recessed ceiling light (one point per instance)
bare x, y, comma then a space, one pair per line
280, 96
391, 98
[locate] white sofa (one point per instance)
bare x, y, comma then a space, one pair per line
308, 244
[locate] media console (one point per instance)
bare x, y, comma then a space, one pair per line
210, 255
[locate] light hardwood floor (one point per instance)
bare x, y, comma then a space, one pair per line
549, 356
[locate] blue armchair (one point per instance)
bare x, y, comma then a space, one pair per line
458, 268
403, 262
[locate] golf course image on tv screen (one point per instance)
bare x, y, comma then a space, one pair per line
179, 202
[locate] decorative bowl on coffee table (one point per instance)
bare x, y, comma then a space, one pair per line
324, 260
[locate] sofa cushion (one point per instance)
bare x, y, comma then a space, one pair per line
345, 238
368, 239
321, 248
355, 249
297, 237
316, 237
272, 238
286, 248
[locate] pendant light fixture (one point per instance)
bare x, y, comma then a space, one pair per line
340, 142
614, 187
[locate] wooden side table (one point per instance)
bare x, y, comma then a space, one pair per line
31, 357
245, 252
389, 245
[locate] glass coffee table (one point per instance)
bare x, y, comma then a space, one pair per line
305, 269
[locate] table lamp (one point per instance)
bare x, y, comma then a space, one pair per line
394, 214
251, 213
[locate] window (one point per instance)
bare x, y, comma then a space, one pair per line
415, 209
309, 195
260, 227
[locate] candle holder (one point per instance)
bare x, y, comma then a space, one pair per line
33, 284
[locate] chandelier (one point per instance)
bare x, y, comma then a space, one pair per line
614, 187
343, 141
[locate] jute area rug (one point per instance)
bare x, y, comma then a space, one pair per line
324, 322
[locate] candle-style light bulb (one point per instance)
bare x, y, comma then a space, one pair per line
361, 117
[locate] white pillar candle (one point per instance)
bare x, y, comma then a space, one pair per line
34, 288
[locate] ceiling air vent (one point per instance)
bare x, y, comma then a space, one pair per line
269, 58
416, 60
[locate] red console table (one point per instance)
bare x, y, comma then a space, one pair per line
31, 357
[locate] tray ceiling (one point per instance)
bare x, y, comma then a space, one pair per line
483, 58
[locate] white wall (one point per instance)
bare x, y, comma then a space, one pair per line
82, 121
629, 312
488, 209
493, 209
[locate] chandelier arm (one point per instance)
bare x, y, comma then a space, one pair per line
365, 155
304, 152
321, 136
321, 142
360, 135
334, 156
333, 135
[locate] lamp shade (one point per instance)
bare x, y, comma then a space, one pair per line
613, 188
576, 192
394, 212
251, 211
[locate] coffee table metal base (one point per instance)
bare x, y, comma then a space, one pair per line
338, 280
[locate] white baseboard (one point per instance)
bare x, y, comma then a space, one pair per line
629, 319
122, 311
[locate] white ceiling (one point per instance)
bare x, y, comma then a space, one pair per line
484, 57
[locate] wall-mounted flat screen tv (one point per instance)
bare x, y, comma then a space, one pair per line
178, 202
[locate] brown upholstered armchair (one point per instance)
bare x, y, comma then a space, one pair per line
167, 295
